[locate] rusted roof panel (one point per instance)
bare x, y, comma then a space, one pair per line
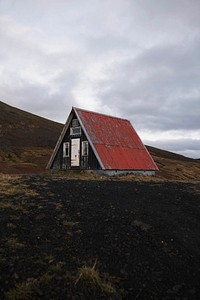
116, 142
119, 158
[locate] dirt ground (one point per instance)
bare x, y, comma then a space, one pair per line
98, 239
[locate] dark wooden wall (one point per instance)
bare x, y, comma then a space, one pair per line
89, 162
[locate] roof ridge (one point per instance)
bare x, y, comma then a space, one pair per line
96, 113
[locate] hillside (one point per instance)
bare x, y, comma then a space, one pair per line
27, 141
22, 129
173, 166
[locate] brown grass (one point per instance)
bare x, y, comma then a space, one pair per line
26, 160
27, 290
177, 170
13, 185
23, 291
79, 175
86, 278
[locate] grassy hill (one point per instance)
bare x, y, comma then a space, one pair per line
173, 166
23, 129
27, 141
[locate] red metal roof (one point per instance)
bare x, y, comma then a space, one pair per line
115, 142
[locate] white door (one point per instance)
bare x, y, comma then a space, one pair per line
75, 152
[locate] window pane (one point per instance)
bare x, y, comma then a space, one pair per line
84, 148
75, 123
75, 131
66, 149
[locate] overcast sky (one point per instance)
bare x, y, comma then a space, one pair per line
135, 59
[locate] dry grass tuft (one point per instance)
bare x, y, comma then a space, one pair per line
90, 277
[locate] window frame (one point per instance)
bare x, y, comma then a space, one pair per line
85, 149
75, 123
72, 129
66, 149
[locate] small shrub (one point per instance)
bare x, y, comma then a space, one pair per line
23, 291
107, 288
4, 205
20, 209
49, 258
89, 277
45, 280
14, 244
56, 268
28, 290
69, 224
58, 205
10, 225
3, 261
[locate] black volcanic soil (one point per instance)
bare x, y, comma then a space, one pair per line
142, 237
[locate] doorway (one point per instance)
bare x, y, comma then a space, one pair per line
75, 152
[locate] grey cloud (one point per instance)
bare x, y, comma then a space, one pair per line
139, 59
36, 98
160, 87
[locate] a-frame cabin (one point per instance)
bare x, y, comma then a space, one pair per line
101, 143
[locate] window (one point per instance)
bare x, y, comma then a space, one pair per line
85, 148
75, 131
66, 149
75, 123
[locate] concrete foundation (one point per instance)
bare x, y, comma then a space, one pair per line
122, 172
